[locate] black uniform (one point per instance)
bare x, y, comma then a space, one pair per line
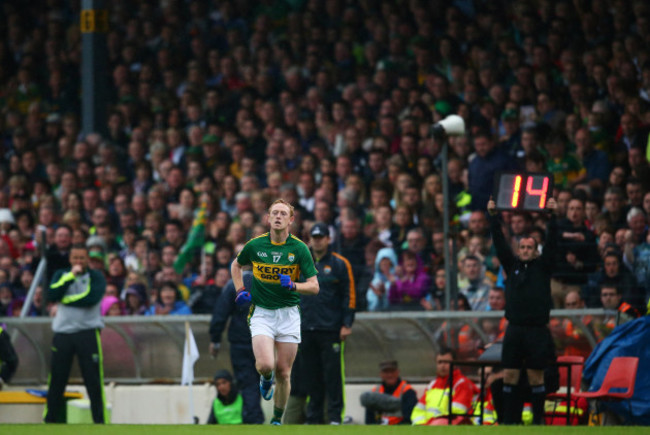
241, 350
528, 306
528, 300
76, 327
8, 357
321, 349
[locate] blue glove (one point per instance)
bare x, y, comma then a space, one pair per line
285, 281
243, 297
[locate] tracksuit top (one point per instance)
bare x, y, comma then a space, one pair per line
335, 303
79, 300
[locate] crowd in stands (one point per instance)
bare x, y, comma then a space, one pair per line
220, 107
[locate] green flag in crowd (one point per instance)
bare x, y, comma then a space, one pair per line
194, 240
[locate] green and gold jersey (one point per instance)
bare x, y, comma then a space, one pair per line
269, 260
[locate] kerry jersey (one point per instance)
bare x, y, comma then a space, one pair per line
269, 260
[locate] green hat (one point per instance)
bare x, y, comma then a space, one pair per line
96, 254
509, 114
210, 138
195, 150
442, 107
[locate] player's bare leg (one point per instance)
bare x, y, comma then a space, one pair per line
286, 354
264, 351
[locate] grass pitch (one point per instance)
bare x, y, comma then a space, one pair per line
40, 429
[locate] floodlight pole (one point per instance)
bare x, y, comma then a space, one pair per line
449, 279
94, 58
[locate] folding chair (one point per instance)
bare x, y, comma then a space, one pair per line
568, 364
618, 383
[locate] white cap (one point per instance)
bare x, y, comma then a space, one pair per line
6, 216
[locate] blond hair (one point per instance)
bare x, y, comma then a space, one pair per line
282, 201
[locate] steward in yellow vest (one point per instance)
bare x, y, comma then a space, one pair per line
227, 406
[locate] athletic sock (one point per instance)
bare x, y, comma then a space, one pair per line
277, 413
511, 404
538, 397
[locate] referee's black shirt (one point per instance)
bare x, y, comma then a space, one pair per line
528, 283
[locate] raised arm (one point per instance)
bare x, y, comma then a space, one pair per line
504, 251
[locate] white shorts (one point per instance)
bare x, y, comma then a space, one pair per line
282, 324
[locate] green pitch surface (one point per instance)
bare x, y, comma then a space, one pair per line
40, 429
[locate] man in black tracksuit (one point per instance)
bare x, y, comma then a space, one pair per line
241, 350
326, 322
77, 324
528, 307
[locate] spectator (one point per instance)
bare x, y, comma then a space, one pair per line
576, 254
637, 224
593, 160
614, 272
110, 306
378, 293
614, 208
403, 223
564, 166
477, 288
434, 300
634, 191
169, 301
410, 286
639, 257
6, 297
205, 292
135, 299
619, 312
488, 161
97, 260
351, 243
496, 302
416, 243
57, 254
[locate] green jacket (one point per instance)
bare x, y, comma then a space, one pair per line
64, 278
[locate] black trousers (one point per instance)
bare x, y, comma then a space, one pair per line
87, 346
248, 382
323, 359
